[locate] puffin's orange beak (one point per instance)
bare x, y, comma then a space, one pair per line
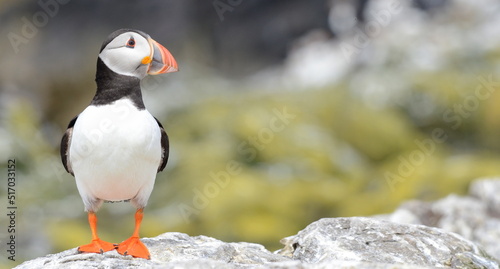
161, 60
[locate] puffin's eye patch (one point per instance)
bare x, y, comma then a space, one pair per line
131, 43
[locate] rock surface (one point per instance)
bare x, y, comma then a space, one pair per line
369, 240
466, 226
475, 217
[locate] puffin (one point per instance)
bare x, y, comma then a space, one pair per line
114, 148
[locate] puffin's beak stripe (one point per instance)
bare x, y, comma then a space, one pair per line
162, 60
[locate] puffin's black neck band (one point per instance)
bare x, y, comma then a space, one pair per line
112, 86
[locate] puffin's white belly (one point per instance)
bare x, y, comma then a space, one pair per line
115, 152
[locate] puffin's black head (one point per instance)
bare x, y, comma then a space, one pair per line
133, 53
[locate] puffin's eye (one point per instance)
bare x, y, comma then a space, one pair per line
131, 43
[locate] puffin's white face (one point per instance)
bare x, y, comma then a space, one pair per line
132, 54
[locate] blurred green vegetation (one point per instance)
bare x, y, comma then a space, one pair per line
240, 169
329, 159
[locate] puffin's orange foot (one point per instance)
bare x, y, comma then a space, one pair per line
97, 246
133, 247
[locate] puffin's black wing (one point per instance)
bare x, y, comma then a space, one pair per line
164, 147
65, 141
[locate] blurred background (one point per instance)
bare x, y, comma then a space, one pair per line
283, 112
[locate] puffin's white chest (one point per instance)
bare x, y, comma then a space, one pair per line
115, 151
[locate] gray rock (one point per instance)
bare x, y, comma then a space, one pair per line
486, 191
378, 241
475, 217
363, 243
169, 250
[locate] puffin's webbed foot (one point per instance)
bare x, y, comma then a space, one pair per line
97, 246
133, 247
